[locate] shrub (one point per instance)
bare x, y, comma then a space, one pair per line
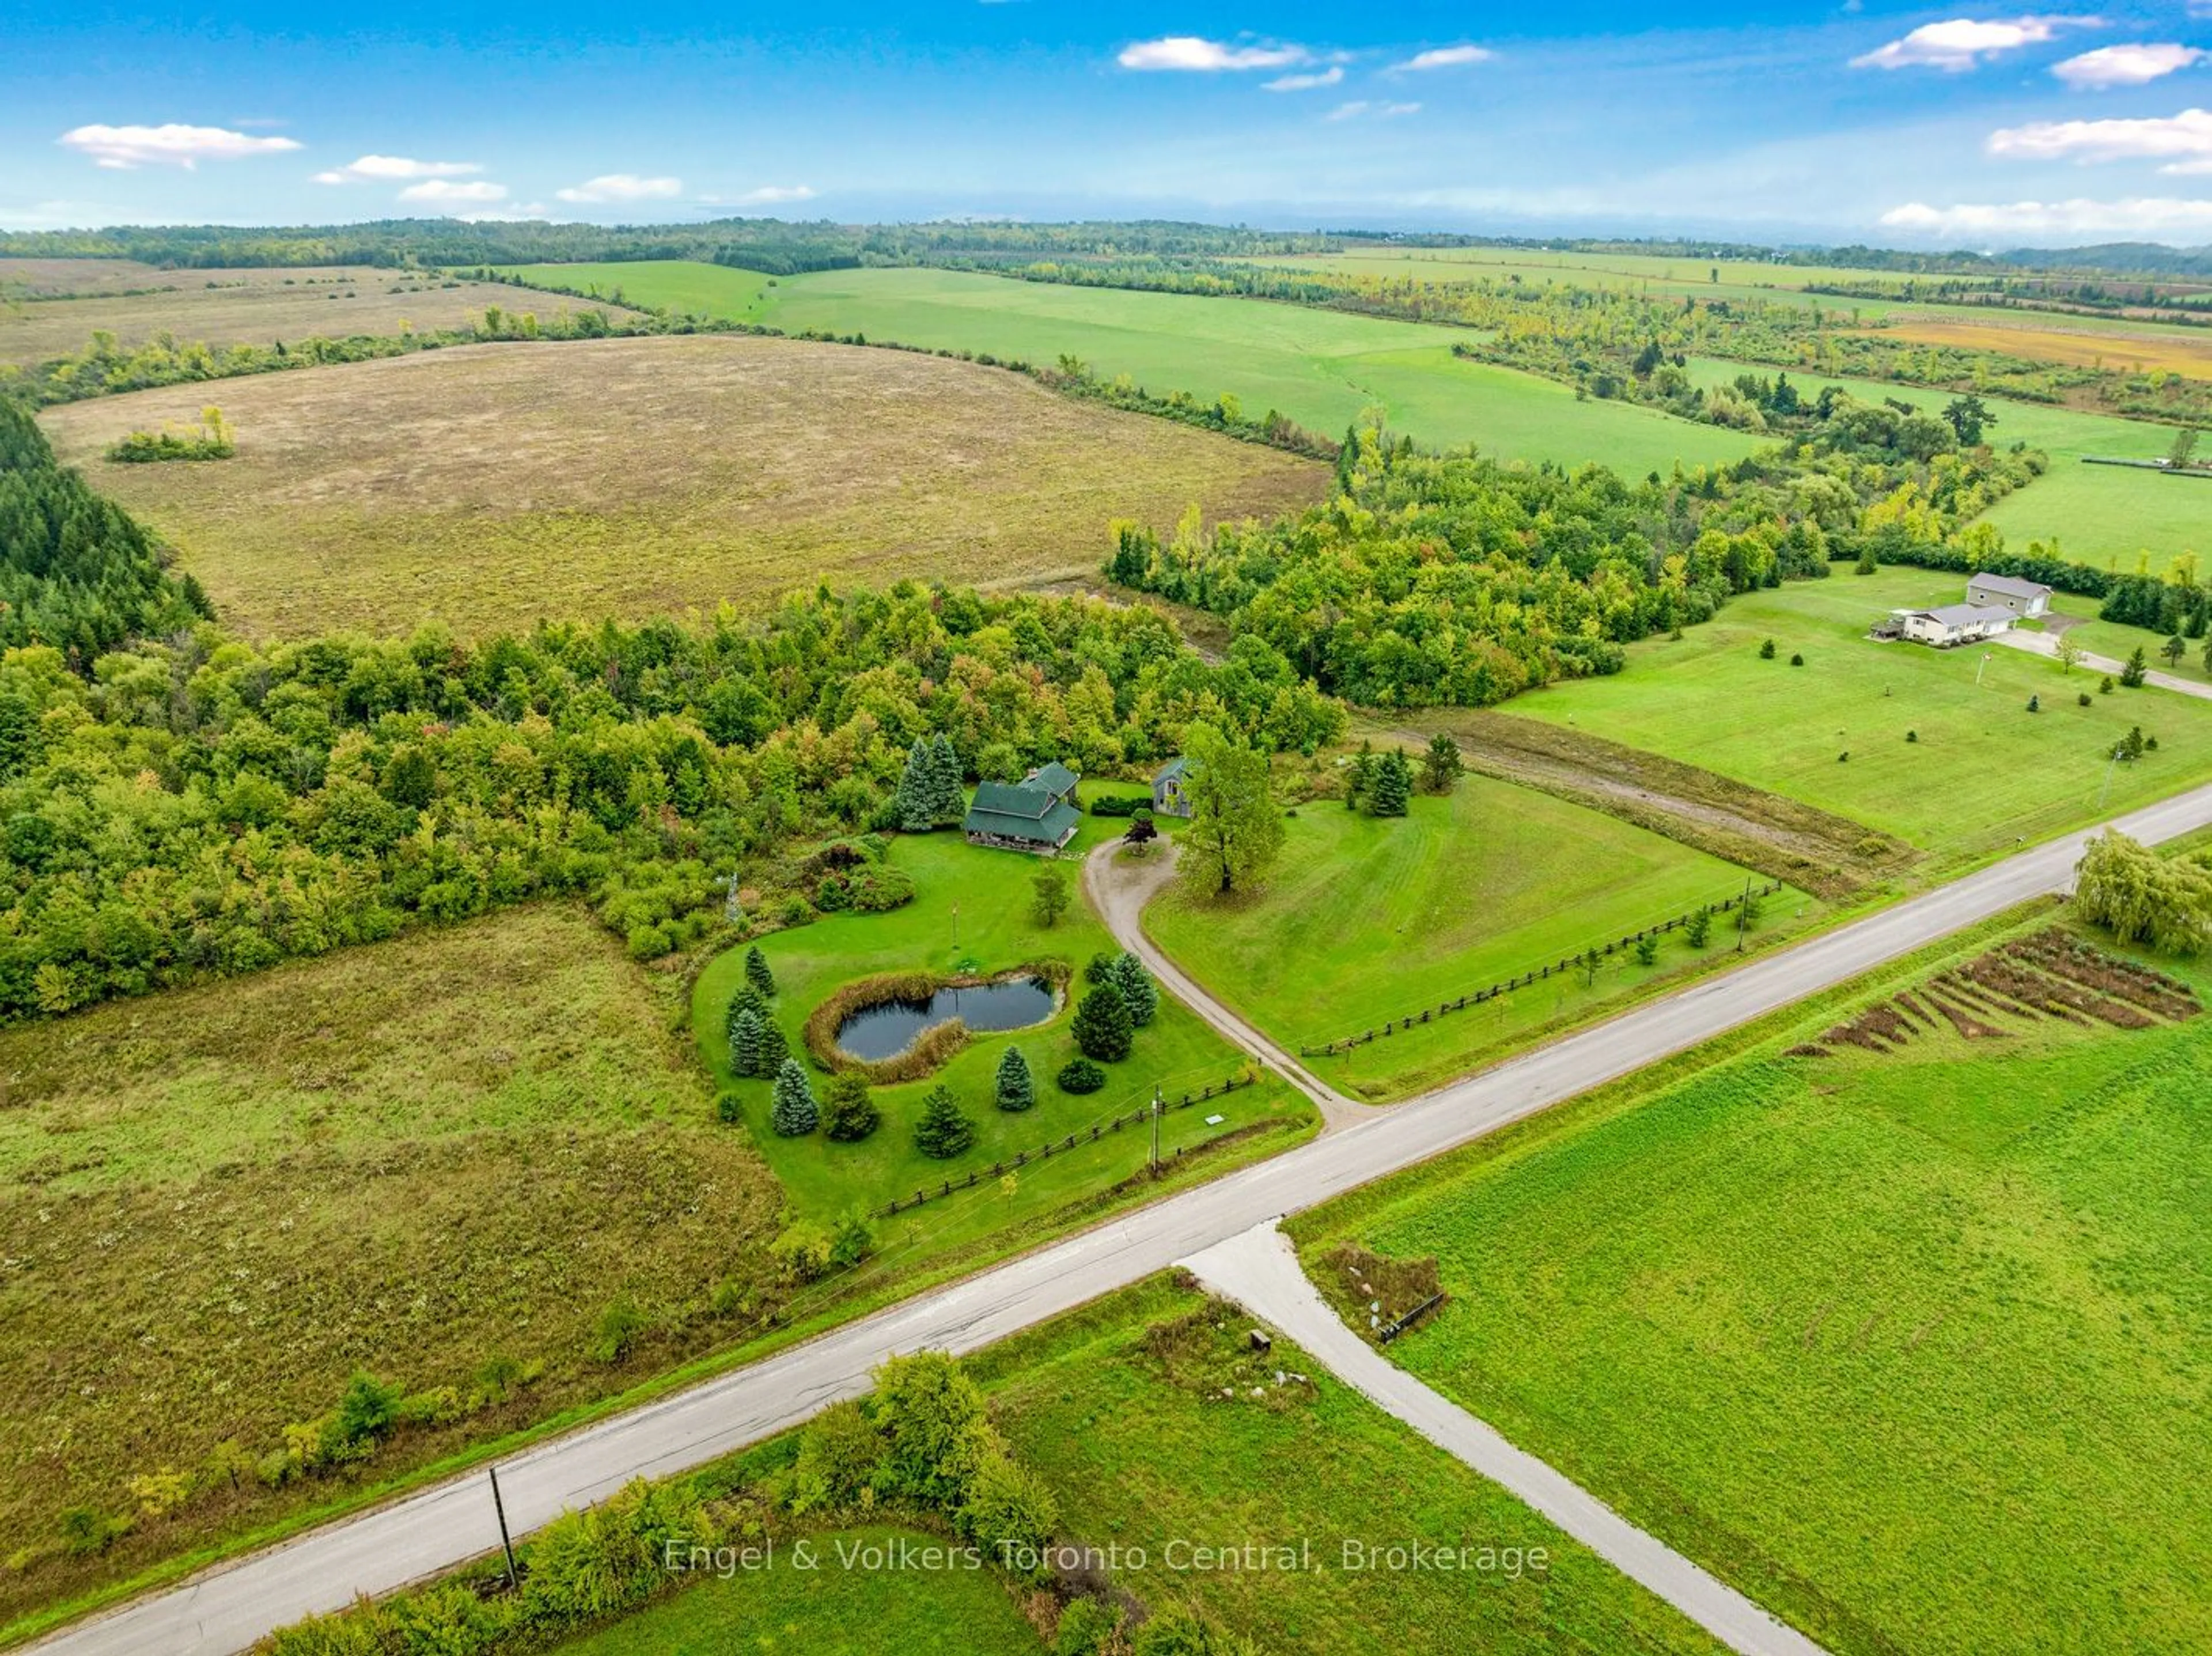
2035, 704
1088, 1627
1914, 735
849, 1112
1796, 661
620, 1324
839, 1453
943, 1133
1015, 1089
852, 1241
1698, 928
1647, 952
2082, 699
1125, 805
727, 1108
1767, 651
1103, 1027
367, 1412
1080, 1075
875, 890
792, 1109
801, 1250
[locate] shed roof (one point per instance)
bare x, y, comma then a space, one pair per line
2012, 584
1167, 773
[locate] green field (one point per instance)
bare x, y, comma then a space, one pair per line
412, 1156
1366, 920
1141, 1450
835, 1607
1913, 1346
1984, 774
2111, 517
990, 891
1321, 368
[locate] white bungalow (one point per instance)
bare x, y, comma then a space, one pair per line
1952, 624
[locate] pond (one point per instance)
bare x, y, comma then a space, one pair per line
886, 1031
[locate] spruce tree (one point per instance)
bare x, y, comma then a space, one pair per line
746, 999
943, 1131
1391, 791
848, 1114
1138, 990
1103, 1027
757, 976
775, 1049
915, 796
1016, 1090
948, 798
748, 1044
792, 1110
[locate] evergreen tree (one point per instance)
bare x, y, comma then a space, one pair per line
792, 1110
915, 796
848, 1114
757, 976
1358, 778
1442, 766
2137, 669
1392, 790
748, 1044
746, 999
1142, 994
948, 798
1103, 1027
1016, 1088
775, 1049
943, 1131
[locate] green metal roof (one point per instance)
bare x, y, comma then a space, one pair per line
1047, 827
1054, 778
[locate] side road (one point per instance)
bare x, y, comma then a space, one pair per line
1119, 891
1260, 1271
227, 1608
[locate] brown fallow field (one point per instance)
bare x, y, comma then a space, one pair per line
2166, 349
489, 486
243, 307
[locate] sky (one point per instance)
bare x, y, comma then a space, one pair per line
1785, 123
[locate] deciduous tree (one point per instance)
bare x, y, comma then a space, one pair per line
1235, 830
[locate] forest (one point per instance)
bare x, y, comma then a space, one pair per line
1454, 580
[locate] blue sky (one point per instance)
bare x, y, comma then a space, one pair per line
1974, 127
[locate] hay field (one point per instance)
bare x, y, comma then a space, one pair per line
253, 308
489, 486
2175, 350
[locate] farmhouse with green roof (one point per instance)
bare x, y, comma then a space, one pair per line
1021, 816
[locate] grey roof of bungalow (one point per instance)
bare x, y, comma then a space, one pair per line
2012, 584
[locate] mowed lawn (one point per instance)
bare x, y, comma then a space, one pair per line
1365, 919
411, 1157
1141, 1450
1913, 1347
982, 898
1985, 773
489, 485
844, 1603
1321, 368
2109, 517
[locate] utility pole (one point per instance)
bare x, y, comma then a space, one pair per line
1158, 1109
1743, 915
955, 928
506, 1544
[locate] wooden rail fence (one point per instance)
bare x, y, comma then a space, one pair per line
1429, 1014
1060, 1146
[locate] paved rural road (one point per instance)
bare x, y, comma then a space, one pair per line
227, 1608
1258, 1270
2046, 644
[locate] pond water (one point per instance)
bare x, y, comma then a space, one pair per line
887, 1030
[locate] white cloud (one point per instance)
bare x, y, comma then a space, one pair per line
1346, 112
769, 194
2133, 65
171, 145
1391, 111
1189, 52
1446, 58
379, 168
2183, 141
2141, 215
1360, 106
445, 190
1304, 82
1962, 43
623, 186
